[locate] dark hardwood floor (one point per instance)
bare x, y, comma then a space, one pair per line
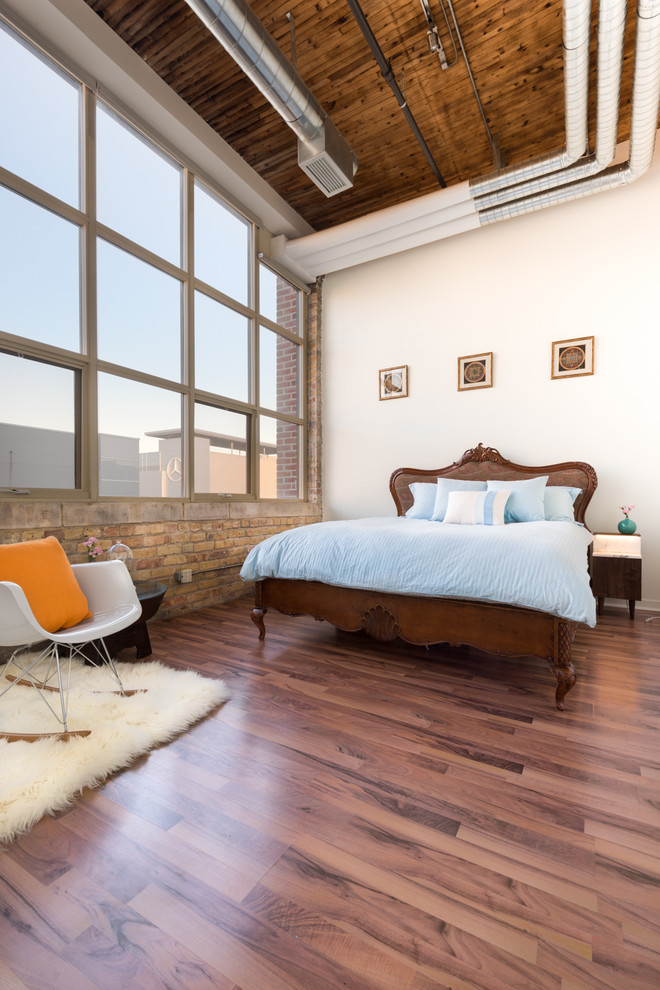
365, 817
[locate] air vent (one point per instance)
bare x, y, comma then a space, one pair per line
328, 160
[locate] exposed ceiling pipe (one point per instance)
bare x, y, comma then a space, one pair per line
388, 76
498, 159
322, 152
408, 221
447, 212
576, 26
644, 119
611, 30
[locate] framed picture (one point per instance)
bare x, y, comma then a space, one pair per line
573, 357
475, 371
393, 382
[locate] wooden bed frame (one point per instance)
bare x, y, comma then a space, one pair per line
505, 630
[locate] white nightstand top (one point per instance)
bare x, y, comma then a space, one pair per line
616, 545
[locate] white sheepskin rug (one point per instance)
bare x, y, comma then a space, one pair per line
43, 777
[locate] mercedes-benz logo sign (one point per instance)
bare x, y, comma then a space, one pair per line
174, 470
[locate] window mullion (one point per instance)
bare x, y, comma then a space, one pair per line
188, 343
89, 400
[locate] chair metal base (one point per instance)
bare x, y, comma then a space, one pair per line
35, 736
57, 669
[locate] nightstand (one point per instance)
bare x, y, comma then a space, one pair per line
616, 568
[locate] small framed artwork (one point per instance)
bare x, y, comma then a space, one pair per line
475, 371
573, 357
393, 382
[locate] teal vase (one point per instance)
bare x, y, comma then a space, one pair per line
627, 526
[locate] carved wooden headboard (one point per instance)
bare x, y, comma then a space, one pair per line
482, 463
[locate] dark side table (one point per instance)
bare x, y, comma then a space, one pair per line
150, 594
616, 569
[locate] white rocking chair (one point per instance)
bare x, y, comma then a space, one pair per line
113, 601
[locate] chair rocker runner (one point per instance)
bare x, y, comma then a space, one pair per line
114, 604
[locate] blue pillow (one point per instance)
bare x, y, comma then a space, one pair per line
558, 503
525, 503
446, 485
424, 500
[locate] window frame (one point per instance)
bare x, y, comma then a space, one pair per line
86, 361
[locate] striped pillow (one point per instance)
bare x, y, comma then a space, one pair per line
476, 508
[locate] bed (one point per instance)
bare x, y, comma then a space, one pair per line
542, 625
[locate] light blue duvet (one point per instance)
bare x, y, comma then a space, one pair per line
540, 565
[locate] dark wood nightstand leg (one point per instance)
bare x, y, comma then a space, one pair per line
141, 640
631, 608
600, 606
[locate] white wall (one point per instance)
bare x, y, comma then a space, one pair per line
588, 267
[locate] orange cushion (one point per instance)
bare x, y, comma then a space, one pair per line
42, 570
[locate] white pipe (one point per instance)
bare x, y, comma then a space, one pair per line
428, 219
317, 253
644, 117
422, 213
611, 30
576, 19
350, 256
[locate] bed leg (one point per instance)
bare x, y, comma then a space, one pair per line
563, 668
257, 616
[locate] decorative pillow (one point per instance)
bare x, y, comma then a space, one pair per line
476, 508
558, 503
525, 502
42, 570
447, 485
424, 500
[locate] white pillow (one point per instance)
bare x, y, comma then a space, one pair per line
447, 485
423, 500
476, 508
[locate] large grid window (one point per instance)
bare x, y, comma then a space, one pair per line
145, 350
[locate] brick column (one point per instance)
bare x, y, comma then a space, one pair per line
288, 454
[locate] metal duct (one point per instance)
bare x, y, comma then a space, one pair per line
576, 24
323, 154
611, 30
644, 118
646, 87
447, 212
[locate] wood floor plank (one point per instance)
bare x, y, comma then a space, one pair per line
362, 816
27, 954
380, 887
116, 932
40, 905
9, 980
243, 945
362, 959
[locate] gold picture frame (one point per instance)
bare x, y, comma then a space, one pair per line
393, 382
475, 371
573, 357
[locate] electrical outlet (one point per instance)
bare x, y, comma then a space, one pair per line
183, 577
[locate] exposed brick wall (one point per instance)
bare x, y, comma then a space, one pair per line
210, 538
164, 538
288, 455
314, 435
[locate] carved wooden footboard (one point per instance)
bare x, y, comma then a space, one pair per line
505, 630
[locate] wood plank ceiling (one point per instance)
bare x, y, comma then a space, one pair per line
514, 49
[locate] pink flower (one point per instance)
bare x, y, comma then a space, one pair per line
626, 509
93, 548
